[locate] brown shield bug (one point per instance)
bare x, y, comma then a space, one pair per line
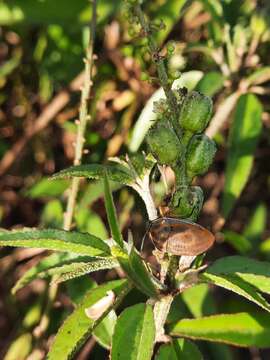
179, 237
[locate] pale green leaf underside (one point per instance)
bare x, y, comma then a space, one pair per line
77, 327
242, 329
59, 240
71, 271
134, 334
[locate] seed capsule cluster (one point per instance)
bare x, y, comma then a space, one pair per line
185, 149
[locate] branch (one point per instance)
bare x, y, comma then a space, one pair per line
83, 118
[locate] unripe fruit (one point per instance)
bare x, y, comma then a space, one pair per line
187, 202
164, 144
195, 112
200, 154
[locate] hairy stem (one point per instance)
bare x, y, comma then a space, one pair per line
83, 118
161, 69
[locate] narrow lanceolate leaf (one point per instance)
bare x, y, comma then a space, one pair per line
44, 265
78, 327
238, 286
134, 334
135, 270
115, 172
254, 272
59, 240
111, 213
71, 271
179, 349
242, 329
243, 138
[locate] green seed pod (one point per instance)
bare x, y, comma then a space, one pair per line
187, 202
195, 112
164, 144
200, 154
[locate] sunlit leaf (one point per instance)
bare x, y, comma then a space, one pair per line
242, 329
70, 336
243, 138
59, 240
136, 270
235, 284
254, 272
256, 225
134, 334
210, 83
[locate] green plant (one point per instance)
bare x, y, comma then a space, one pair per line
175, 140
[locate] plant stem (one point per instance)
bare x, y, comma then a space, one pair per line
74, 188
161, 311
83, 118
161, 69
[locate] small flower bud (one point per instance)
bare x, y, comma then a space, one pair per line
164, 144
200, 154
195, 112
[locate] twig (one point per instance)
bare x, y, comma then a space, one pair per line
83, 118
161, 69
47, 115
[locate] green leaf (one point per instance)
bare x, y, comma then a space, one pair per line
59, 240
78, 327
116, 172
238, 241
254, 272
265, 246
238, 286
256, 225
242, 329
243, 138
134, 334
52, 214
77, 288
210, 83
46, 188
111, 213
136, 270
49, 12
204, 304
179, 349
104, 331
